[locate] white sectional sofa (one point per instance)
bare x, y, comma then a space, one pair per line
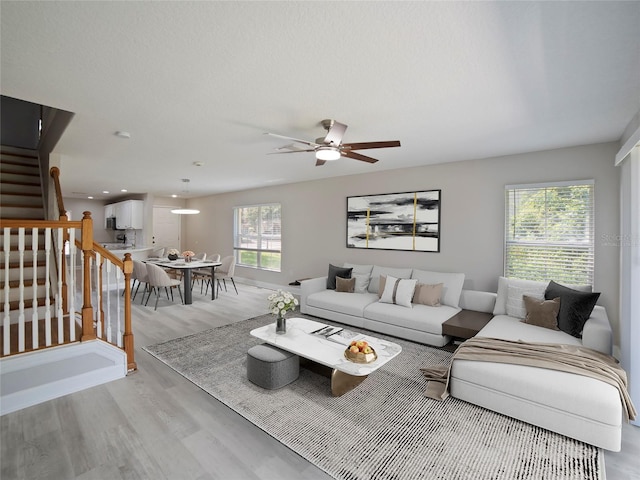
573, 405
420, 323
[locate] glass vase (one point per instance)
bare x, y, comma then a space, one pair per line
281, 325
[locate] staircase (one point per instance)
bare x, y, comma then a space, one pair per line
56, 334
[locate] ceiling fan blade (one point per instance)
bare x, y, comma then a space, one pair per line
335, 133
289, 151
357, 156
320, 162
311, 144
365, 145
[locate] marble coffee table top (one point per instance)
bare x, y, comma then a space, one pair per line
300, 340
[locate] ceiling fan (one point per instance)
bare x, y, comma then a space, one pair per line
331, 147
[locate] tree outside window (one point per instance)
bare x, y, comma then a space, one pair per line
257, 236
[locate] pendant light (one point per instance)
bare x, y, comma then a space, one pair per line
185, 211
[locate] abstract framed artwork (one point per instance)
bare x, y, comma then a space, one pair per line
395, 221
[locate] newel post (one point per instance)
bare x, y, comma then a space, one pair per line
127, 338
88, 330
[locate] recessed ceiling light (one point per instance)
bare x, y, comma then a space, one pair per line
198, 164
90, 197
123, 190
122, 134
174, 196
105, 191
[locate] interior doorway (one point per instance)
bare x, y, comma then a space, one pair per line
166, 228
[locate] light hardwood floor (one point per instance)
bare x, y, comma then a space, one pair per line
155, 424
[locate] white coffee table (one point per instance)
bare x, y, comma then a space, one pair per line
345, 375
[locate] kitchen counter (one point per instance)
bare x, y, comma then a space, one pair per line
137, 253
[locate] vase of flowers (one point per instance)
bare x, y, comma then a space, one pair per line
172, 254
187, 254
280, 303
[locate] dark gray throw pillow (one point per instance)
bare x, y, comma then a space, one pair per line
575, 307
336, 272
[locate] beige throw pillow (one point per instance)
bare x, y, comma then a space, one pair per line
542, 313
428, 294
346, 285
381, 284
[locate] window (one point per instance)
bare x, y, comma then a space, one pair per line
257, 236
549, 232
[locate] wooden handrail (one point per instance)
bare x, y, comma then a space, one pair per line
13, 223
55, 174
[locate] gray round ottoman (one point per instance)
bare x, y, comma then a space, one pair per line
270, 367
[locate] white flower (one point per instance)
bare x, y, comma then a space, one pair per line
281, 302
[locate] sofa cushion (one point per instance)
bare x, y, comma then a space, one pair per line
575, 307
362, 283
510, 328
394, 272
346, 285
420, 317
359, 269
336, 272
428, 294
515, 301
500, 307
452, 284
398, 291
341, 302
543, 313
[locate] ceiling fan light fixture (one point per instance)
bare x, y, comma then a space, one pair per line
185, 211
327, 153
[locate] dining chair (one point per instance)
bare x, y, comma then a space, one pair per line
139, 275
158, 278
226, 271
203, 275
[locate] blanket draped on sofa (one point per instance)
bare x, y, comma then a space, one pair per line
565, 358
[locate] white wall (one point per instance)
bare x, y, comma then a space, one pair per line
78, 205
472, 229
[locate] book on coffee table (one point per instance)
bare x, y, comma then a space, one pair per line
345, 337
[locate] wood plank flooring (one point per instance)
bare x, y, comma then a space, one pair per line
155, 424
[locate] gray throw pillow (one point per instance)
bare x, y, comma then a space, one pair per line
336, 272
575, 307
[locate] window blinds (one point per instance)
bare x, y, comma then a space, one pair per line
549, 232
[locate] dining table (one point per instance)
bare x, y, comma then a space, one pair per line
187, 267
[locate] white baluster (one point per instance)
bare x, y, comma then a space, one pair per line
118, 340
59, 246
21, 290
71, 288
34, 314
108, 316
47, 287
6, 327
99, 298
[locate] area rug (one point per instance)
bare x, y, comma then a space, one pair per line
383, 429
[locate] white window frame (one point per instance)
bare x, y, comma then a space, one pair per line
575, 257
239, 235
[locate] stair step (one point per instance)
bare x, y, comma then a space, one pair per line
31, 378
24, 170
5, 183
23, 156
21, 194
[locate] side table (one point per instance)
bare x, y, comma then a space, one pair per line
466, 323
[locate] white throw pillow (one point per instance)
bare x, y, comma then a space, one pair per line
359, 269
503, 291
394, 272
515, 303
362, 282
398, 291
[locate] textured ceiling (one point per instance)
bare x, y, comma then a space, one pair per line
202, 81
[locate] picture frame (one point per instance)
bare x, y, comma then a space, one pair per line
408, 221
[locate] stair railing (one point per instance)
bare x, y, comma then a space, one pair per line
53, 320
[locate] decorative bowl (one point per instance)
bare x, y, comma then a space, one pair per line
360, 357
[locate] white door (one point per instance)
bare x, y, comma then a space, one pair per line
166, 228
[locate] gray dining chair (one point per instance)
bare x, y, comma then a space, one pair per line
225, 272
139, 276
158, 278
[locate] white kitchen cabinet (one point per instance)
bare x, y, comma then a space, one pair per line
129, 214
109, 212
